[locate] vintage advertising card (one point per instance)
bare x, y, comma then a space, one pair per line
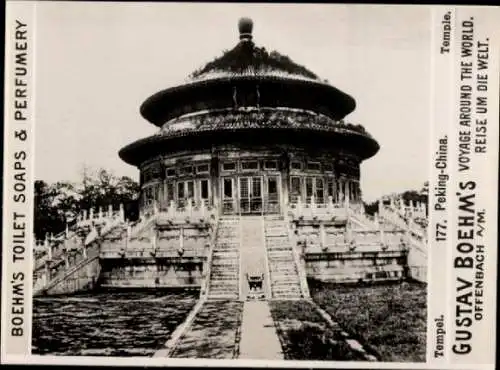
285, 185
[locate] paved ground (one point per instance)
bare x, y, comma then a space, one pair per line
259, 340
214, 332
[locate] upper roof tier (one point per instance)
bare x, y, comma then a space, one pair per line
244, 76
248, 59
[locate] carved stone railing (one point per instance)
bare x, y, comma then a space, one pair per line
358, 216
266, 258
207, 268
83, 231
298, 259
250, 117
316, 211
190, 213
395, 218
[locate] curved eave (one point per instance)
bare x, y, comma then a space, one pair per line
147, 148
274, 91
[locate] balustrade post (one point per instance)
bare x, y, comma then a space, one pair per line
203, 209
49, 249
190, 207
91, 213
154, 240
99, 214
171, 209
313, 205
322, 235
330, 204
85, 214
299, 206
47, 272
110, 211
181, 238
122, 212
66, 230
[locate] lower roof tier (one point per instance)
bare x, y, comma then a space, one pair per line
252, 126
333, 138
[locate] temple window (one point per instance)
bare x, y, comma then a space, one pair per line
228, 188
330, 188
271, 165
187, 170
295, 189
190, 189
313, 166
170, 191
249, 165
320, 194
204, 189
202, 168
229, 166
309, 187
328, 167
170, 172
180, 191
296, 166
185, 191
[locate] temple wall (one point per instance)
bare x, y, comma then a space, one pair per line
356, 268
148, 273
198, 177
82, 277
342, 254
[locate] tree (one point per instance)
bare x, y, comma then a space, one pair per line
58, 204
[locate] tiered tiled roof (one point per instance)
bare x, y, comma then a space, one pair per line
248, 59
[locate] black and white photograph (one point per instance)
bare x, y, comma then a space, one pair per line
232, 182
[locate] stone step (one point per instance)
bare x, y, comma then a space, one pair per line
284, 284
226, 278
224, 268
282, 271
228, 234
280, 255
277, 242
225, 254
277, 247
223, 284
279, 290
222, 297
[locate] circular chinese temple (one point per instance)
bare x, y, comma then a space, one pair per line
251, 132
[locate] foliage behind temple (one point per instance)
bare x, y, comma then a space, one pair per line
59, 203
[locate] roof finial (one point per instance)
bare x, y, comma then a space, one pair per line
245, 26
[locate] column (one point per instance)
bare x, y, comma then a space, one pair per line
285, 181
214, 181
341, 191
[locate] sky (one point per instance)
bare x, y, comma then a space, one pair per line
97, 62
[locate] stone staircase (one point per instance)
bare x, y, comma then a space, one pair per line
253, 257
224, 281
64, 269
284, 274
